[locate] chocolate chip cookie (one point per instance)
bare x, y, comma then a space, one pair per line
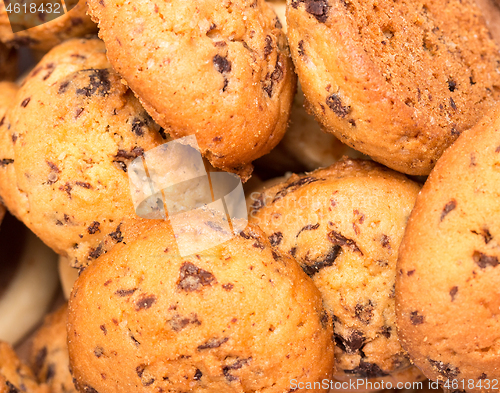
344, 224
447, 288
45, 35
237, 317
49, 358
71, 131
220, 70
398, 81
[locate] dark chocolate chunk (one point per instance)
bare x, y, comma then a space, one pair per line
447, 370
25, 102
98, 352
416, 319
197, 375
335, 104
294, 186
235, 366
485, 233
364, 312
228, 286
452, 85
96, 252
339, 239
94, 228
222, 64
177, 323
318, 8
213, 343
12, 388
452, 104
145, 302
276, 238
351, 344
192, 278
386, 331
453, 292
450, 206
125, 292
301, 48
309, 227
40, 360
319, 264
269, 46
483, 260
137, 127
117, 235
367, 370
99, 83
385, 241
6, 161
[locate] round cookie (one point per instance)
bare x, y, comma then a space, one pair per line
45, 36
8, 63
49, 357
72, 129
15, 376
448, 284
343, 224
237, 317
402, 80
220, 70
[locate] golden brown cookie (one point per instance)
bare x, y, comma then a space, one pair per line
344, 224
448, 284
491, 13
45, 36
220, 70
49, 354
398, 81
73, 128
238, 317
15, 376
8, 63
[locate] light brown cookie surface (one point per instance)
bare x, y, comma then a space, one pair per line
45, 36
71, 132
448, 283
343, 224
220, 70
49, 357
238, 317
398, 81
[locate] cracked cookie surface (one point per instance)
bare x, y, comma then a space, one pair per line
220, 70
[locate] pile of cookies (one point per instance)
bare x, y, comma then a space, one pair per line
367, 134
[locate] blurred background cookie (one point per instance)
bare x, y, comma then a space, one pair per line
8, 63
344, 224
219, 70
42, 35
399, 89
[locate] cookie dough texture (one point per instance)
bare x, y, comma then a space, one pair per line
75, 23
344, 224
8, 63
448, 284
69, 135
49, 354
398, 81
220, 70
15, 376
238, 317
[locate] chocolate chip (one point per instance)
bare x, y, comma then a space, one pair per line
213, 343
40, 360
309, 227
452, 85
96, 252
125, 292
12, 388
294, 186
385, 241
350, 344
364, 312
25, 102
235, 366
63, 87
485, 233
483, 260
117, 235
145, 302
321, 263
99, 83
301, 50
339, 239
83, 184
410, 273
197, 375
104, 330
177, 323
273, 77
450, 206
192, 278
483, 376
94, 228
416, 319
98, 352
269, 46
276, 238
318, 8
335, 104
89, 389
367, 370
258, 203
453, 293
452, 103
447, 370
228, 286
132, 154
6, 161
222, 64
386, 331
